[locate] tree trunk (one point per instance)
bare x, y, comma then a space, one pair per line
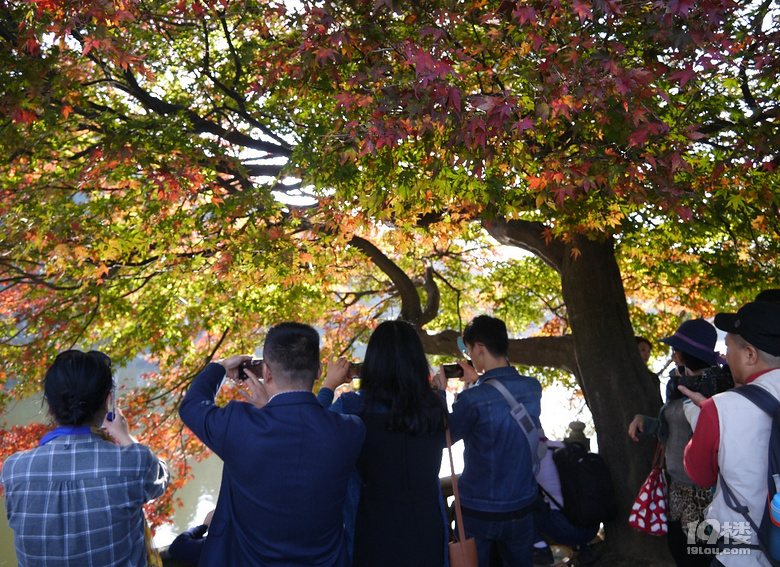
614, 382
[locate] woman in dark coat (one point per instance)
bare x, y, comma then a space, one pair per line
400, 519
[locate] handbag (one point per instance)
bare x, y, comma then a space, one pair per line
648, 514
463, 550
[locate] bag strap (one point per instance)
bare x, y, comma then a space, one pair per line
522, 418
660, 454
760, 397
551, 498
770, 405
731, 501
458, 513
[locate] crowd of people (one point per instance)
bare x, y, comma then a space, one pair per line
353, 479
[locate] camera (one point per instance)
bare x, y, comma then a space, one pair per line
453, 370
710, 382
255, 366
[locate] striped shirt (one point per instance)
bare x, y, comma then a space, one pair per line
77, 500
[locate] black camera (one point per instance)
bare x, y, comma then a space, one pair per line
255, 366
710, 382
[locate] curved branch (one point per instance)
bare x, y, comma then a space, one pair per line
411, 309
530, 236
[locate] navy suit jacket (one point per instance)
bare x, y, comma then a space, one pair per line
284, 478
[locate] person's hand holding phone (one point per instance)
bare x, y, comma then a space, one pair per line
118, 428
231, 364
339, 372
469, 373
254, 390
110, 416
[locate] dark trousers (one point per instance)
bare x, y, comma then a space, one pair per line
677, 540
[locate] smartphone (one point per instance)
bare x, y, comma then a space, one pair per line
453, 370
255, 365
110, 416
355, 368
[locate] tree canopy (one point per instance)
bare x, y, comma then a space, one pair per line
177, 176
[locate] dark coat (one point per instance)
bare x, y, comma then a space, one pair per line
284, 480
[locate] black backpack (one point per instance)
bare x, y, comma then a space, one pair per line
586, 486
771, 406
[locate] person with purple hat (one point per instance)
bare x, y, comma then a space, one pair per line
693, 351
732, 433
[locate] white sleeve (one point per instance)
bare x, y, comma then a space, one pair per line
691, 411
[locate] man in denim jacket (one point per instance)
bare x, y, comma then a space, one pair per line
497, 488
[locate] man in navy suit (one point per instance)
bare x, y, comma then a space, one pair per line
287, 461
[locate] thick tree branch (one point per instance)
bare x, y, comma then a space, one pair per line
411, 310
552, 352
529, 236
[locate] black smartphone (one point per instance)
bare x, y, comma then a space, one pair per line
110, 416
255, 366
355, 368
453, 370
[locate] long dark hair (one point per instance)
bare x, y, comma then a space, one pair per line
77, 385
395, 374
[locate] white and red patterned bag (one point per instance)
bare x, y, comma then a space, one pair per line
648, 514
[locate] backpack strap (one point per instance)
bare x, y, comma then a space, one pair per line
760, 397
522, 418
771, 406
550, 497
731, 501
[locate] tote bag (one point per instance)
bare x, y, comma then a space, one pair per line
648, 514
463, 551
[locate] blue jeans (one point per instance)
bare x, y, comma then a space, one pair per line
514, 539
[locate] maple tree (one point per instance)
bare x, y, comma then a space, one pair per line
177, 176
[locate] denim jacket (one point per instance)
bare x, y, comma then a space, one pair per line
497, 474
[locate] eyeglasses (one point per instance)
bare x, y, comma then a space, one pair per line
463, 348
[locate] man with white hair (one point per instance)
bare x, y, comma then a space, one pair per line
731, 438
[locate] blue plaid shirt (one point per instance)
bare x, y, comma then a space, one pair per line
76, 501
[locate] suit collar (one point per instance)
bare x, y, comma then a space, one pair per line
292, 397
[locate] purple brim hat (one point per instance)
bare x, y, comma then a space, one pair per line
696, 338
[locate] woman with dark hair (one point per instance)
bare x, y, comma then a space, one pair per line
77, 498
400, 519
693, 351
